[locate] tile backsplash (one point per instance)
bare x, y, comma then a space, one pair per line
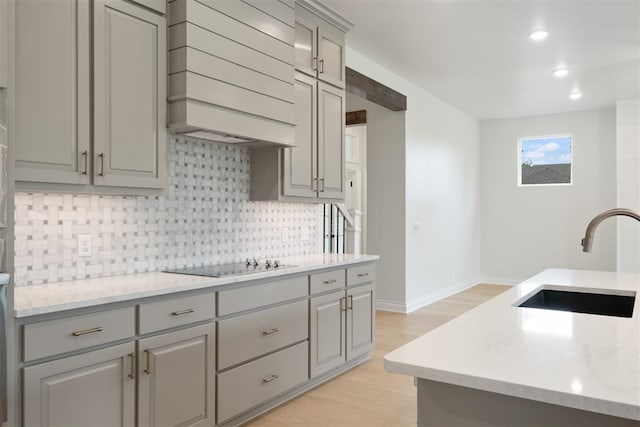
204, 217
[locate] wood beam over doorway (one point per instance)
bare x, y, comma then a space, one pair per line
369, 89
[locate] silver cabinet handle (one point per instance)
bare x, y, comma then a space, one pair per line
132, 373
314, 63
270, 331
101, 156
85, 156
314, 184
147, 370
322, 186
181, 312
269, 379
363, 274
321, 68
350, 302
343, 304
87, 331
328, 282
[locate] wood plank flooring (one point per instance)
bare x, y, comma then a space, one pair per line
367, 395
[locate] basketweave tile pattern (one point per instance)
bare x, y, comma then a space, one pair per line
205, 217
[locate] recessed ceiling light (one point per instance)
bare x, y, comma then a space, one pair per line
538, 35
560, 72
575, 95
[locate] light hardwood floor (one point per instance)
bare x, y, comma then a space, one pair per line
367, 395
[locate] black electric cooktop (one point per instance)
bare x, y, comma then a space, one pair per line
220, 270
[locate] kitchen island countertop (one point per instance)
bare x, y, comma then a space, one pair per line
582, 361
48, 298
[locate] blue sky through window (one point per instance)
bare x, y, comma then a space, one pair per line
546, 151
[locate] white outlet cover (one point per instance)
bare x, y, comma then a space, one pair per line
304, 233
84, 245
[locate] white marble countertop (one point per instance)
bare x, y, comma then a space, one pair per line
48, 298
583, 361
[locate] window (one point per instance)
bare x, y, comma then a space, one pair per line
545, 160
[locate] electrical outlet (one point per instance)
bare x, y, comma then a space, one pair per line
285, 235
304, 234
84, 245
416, 227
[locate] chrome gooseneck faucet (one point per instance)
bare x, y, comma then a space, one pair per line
591, 228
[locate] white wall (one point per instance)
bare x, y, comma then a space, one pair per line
628, 162
385, 198
440, 192
528, 229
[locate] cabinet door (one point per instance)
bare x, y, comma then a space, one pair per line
331, 56
328, 315
299, 162
306, 55
360, 321
129, 95
176, 378
52, 91
330, 142
92, 389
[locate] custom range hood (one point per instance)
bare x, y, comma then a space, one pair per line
234, 84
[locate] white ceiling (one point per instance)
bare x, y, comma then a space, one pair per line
476, 54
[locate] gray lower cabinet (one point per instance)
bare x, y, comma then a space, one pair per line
361, 317
328, 342
176, 384
92, 389
90, 114
342, 327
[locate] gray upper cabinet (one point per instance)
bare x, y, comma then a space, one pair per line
331, 117
52, 102
4, 47
231, 66
58, 140
300, 162
319, 46
129, 96
312, 170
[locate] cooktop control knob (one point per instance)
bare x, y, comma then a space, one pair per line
276, 264
255, 262
267, 263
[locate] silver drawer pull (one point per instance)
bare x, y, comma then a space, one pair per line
269, 379
181, 312
363, 274
270, 331
87, 331
328, 282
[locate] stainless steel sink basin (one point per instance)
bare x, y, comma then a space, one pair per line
582, 302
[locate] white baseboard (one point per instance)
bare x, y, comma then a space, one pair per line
416, 303
393, 306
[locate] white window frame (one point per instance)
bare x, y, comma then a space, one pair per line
519, 159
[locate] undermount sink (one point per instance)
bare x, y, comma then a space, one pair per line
582, 302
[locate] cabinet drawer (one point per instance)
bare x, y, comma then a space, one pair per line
74, 333
248, 385
330, 280
245, 337
156, 316
241, 299
361, 274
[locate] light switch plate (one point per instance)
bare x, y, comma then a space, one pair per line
84, 245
